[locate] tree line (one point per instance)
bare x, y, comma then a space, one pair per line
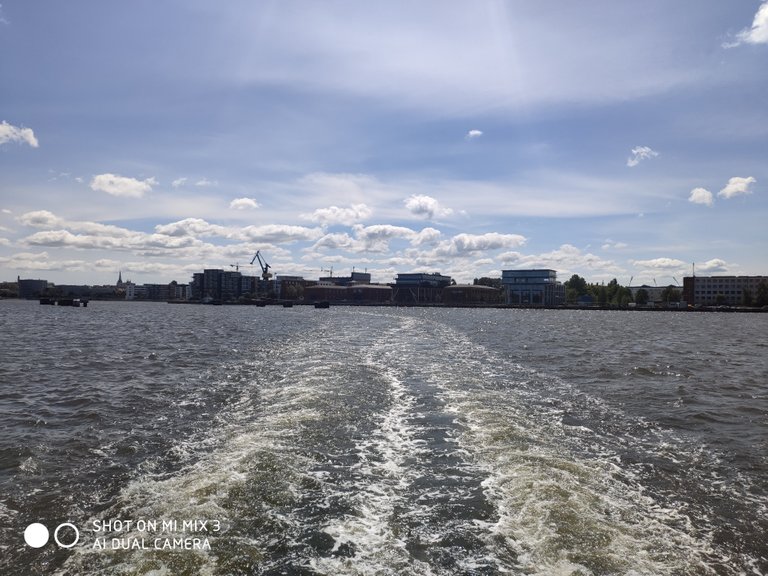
614, 294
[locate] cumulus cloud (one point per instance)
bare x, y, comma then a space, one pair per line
277, 233
661, 264
179, 182
473, 134
426, 207
145, 244
565, 258
426, 236
122, 186
713, 266
335, 240
191, 227
11, 133
46, 220
701, 196
640, 153
737, 186
376, 238
336, 215
40, 219
467, 244
755, 34
243, 204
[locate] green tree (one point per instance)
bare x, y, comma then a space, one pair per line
670, 294
574, 287
486, 281
642, 297
600, 292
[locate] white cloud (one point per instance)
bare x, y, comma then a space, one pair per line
277, 233
335, 241
11, 133
701, 196
376, 238
567, 258
205, 183
426, 206
755, 34
243, 204
661, 264
179, 182
336, 215
611, 245
191, 227
737, 186
713, 266
474, 243
40, 219
426, 236
473, 134
122, 186
640, 153
46, 220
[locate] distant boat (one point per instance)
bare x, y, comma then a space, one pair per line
323, 304
75, 302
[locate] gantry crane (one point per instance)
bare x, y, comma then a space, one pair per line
265, 273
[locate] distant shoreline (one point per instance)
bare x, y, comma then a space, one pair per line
280, 303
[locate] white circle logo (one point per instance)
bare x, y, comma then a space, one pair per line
36, 535
56, 535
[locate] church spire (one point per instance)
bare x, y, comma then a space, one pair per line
120, 279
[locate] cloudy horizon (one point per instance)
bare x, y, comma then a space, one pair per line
601, 139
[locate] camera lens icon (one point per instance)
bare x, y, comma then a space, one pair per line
36, 535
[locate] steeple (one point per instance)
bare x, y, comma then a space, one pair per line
120, 279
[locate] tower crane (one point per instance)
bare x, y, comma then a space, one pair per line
265, 273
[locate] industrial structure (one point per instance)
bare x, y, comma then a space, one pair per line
723, 290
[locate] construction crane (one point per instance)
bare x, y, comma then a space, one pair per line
265, 273
675, 279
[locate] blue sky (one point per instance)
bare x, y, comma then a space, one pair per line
608, 139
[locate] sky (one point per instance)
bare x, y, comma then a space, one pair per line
608, 139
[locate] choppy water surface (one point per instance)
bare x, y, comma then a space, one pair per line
384, 441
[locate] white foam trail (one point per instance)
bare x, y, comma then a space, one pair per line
382, 477
243, 452
558, 513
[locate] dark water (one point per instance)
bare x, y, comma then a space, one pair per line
382, 441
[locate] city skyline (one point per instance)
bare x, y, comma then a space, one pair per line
607, 140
